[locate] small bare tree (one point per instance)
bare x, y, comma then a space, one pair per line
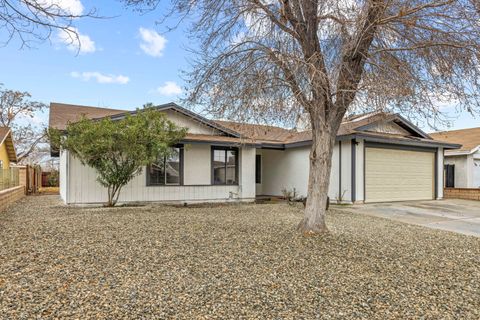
36, 20
277, 60
16, 111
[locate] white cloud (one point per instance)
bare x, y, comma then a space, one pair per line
152, 42
100, 77
77, 42
169, 88
69, 7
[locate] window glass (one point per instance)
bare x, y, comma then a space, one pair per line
231, 167
224, 166
157, 173
172, 167
166, 170
219, 167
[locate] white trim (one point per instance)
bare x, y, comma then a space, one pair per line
461, 153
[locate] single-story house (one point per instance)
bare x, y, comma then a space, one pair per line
462, 166
377, 157
7, 148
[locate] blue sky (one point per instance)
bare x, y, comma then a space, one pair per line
125, 62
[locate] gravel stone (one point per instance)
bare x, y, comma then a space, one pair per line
228, 262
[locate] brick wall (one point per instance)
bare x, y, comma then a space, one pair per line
462, 193
9, 196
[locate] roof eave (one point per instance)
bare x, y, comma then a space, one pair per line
432, 143
463, 153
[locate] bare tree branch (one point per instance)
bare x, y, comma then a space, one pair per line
33, 21
279, 61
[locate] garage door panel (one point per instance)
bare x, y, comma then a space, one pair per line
396, 175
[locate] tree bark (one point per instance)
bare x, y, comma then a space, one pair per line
323, 140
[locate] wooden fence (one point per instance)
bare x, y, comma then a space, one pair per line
9, 178
30, 177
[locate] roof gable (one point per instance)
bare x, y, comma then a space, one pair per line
391, 124
192, 115
6, 138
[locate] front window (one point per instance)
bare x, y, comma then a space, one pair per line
224, 165
167, 170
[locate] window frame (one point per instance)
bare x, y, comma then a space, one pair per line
237, 160
180, 183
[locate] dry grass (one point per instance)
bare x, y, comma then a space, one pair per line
242, 261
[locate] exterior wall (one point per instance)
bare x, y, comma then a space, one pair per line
476, 169
78, 183
461, 170
476, 173
440, 173
467, 169
470, 166
285, 169
345, 187
288, 169
247, 173
4, 156
359, 170
11, 195
64, 176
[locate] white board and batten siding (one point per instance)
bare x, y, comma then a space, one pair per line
83, 188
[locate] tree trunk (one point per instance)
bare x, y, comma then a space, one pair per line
113, 195
323, 141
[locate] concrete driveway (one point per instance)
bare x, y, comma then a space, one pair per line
461, 216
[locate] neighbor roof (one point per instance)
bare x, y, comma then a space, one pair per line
468, 138
6, 137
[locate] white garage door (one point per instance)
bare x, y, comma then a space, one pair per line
397, 175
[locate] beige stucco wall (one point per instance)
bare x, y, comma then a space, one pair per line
288, 169
462, 170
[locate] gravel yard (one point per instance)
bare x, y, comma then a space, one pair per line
238, 261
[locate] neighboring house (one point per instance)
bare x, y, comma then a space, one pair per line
7, 149
462, 166
377, 157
